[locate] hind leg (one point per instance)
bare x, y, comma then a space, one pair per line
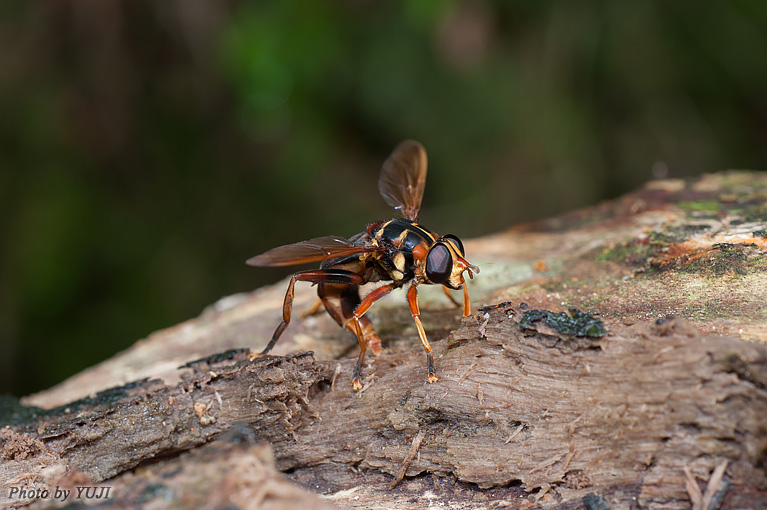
321, 276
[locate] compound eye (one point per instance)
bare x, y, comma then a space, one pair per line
457, 242
439, 263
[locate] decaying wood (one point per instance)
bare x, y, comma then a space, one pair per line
644, 417
554, 413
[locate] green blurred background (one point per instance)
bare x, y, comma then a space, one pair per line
148, 148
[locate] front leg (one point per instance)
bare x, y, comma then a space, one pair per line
466, 302
450, 296
412, 300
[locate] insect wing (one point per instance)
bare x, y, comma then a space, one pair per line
403, 178
312, 250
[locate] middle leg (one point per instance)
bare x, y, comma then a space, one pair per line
357, 321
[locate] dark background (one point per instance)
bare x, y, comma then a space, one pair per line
148, 148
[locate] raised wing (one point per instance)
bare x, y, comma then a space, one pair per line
403, 178
313, 250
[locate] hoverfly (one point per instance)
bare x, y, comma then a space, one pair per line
397, 251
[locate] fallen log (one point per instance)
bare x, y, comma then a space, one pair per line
655, 412
563, 416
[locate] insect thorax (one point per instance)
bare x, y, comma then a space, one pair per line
402, 236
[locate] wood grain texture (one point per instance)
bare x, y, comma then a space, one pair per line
662, 412
558, 415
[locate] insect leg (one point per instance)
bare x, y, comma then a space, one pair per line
466, 301
313, 310
450, 296
314, 276
412, 300
363, 307
340, 301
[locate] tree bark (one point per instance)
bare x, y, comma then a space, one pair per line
526, 413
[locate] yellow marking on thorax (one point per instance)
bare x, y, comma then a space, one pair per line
401, 238
399, 262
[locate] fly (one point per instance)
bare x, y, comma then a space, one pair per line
397, 251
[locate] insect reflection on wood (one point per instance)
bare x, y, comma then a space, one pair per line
397, 251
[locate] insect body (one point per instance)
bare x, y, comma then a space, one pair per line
397, 251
